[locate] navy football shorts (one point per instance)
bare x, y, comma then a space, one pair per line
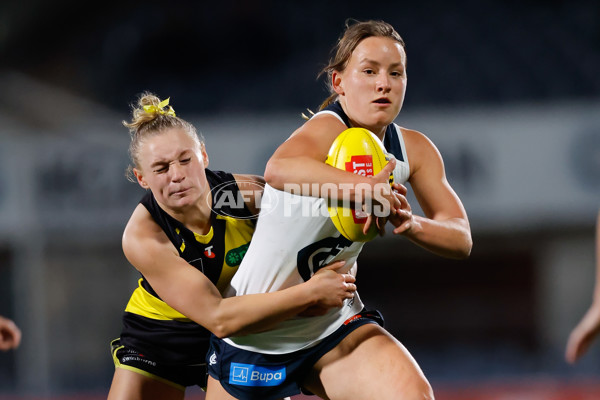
178, 376
248, 375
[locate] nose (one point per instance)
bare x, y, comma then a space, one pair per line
177, 173
383, 83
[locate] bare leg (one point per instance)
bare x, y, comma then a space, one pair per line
129, 385
214, 391
369, 364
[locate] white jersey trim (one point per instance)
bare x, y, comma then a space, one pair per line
331, 113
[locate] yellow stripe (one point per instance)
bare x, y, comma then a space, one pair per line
182, 247
144, 304
238, 232
141, 371
114, 354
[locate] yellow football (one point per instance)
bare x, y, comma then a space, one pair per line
359, 151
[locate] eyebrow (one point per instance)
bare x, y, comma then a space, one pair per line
369, 61
164, 161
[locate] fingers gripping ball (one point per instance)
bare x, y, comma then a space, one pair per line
359, 151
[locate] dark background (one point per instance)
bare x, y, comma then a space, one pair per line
265, 55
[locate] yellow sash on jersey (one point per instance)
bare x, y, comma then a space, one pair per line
238, 233
144, 304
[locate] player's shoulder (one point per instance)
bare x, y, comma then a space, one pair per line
220, 179
217, 177
324, 121
413, 134
143, 238
416, 140
245, 181
140, 226
421, 151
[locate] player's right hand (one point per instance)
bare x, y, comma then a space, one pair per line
332, 287
382, 195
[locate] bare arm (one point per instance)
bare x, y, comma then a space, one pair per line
301, 160
587, 330
190, 292
444, 230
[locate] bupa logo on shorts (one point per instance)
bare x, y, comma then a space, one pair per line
256, 375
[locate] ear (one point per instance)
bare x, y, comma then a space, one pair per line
204, 154
336, 82
140, 178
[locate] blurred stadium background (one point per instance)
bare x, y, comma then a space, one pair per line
508, 90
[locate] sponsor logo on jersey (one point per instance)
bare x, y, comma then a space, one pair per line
256, 375
233, 258
208, 252
130, 358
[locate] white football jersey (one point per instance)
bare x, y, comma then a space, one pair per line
294, 238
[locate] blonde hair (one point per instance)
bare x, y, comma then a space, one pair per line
150, 118
354, 33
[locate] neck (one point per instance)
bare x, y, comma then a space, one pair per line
378, 131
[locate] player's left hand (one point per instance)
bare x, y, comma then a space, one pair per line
401, 218
378, 221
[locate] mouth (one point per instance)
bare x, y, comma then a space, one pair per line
179, 192
382, 100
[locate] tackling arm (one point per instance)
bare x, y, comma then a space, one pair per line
190, 292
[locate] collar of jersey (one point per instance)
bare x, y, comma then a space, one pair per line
204, 239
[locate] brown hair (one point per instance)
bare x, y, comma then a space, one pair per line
354, 33
149, 119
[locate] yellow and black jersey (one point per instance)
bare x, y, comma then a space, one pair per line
150, 325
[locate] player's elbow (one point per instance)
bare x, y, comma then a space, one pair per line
464, 244
226, 326
221, 332
223, 329
459, 250
464, 250
273, 173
